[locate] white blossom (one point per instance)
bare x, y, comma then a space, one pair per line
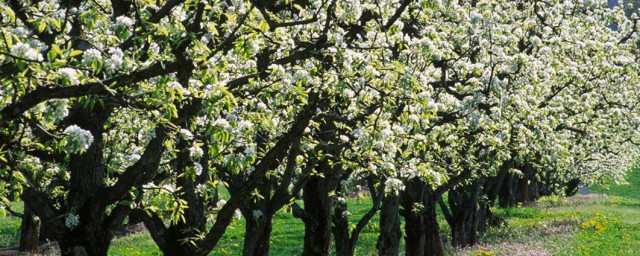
197, 168
244, 125
60, 109
231, 118
26, 51
201, 189
221, 203
196, 152
71, 221
70, 75
222, 123
77, 139
154, 48
115, 61
392, 185
124, 21
186, 134
257, 214
91, 55
132, 157
173, 85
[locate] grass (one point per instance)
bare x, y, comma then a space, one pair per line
10, 227
581, 225
594, 224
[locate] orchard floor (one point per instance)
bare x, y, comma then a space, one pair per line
604, 223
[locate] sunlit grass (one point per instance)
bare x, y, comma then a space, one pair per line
581, 225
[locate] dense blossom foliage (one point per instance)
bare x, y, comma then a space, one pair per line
109, 108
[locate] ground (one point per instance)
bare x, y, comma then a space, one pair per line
606, 222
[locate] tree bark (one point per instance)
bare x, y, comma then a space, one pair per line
345, 237
527, 191
256, 239
341, 230
507, 193
29, 234
258, 227
433, 241
390, 234
491, 189
88, 172
571, 187
317, 206
421, 223
466, 216
86, 240
172, 240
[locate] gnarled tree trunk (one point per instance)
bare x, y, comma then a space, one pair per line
390, 234
465, 213
317, 206
421, 223
256, 239
507, 193
29, 231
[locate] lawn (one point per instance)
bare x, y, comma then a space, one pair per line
603, 223
606, 222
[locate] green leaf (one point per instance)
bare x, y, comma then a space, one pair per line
75, 53
12, 15
51, 55
55, 48
264, 26
8, 40
56, 23
18, 176
42, 26
59, 63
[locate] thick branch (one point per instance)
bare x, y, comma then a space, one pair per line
270, 161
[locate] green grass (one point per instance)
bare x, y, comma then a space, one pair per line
10, 227
581, 225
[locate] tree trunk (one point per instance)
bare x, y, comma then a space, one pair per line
491, 189
528, 190
341, 230
134, 216
257, 235
572, 187
421, 223
415, 231
507, 193
317, 224
433, 241
345, 236
194, 215
87, 171
80, 242
466, 216
259, 217
390, 234
29, 231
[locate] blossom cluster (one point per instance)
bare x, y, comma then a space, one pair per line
77, 139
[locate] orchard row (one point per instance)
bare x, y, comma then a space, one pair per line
144, 110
